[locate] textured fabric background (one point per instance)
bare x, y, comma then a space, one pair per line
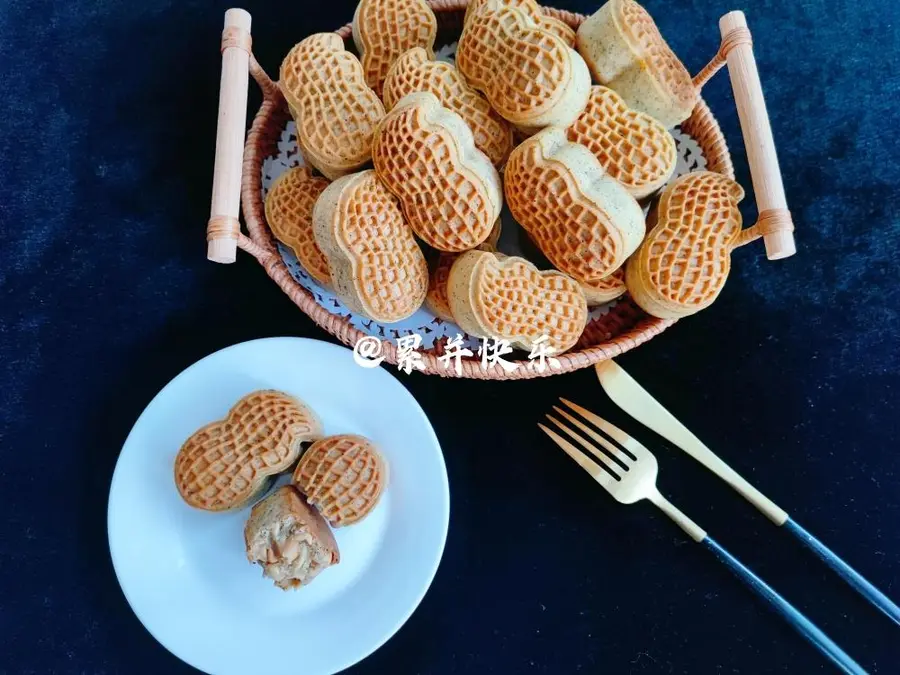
108, 128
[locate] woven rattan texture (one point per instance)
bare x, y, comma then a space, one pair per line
622, 329
343, 477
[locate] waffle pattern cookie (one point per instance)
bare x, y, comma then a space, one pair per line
529, 75
289, 208
227, 464
437, 299
508, 298
335, 110
625, 51
580, 218
289, 539
684, 262
384, 29
548, 23
415, 71
377, 268
631, 146
450, 192
608, 288
343, 477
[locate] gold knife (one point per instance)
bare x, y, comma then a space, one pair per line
631, 397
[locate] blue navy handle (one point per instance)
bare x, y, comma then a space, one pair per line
803, 625
847, 573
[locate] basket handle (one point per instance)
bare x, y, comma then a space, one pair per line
224, 228
775, 224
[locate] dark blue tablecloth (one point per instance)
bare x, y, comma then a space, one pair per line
108, 129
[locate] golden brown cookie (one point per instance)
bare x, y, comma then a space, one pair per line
582, 220
508, 298
529, 75
289, 208
548, 23
626, 52
631, 146
335, 110
437, 299
448, 189
384, 29
377, 268
343, 477
227, 464
682, 265
606, 289
415, 71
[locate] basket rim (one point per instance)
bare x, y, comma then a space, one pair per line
603, 340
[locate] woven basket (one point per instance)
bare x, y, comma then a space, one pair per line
622, 328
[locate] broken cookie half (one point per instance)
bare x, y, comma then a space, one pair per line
289, 539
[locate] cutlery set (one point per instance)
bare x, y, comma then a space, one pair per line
628, 471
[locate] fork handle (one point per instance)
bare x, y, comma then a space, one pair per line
794, 617
844, 571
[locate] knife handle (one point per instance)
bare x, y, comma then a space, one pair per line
859, 583
795, 617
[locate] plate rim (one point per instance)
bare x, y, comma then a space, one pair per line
444, 497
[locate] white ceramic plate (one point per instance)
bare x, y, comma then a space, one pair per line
184, 571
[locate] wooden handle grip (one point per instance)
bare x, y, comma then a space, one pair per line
751, 106
223, 227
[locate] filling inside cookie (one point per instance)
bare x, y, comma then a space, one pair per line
288, 553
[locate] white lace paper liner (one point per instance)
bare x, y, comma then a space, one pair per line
423, 322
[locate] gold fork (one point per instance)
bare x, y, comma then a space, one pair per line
628, 472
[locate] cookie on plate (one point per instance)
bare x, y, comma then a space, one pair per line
508, 298
377, 268
425, 154
582, 220
384, 29
335, 110
289, 208
229, 463
626, 52
289, 539
529, 74
343, 477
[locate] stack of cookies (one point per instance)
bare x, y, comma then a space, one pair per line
569, 128
334, 481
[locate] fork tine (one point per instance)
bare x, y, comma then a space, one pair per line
585, 462
612, 430
606, 461
617, 455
